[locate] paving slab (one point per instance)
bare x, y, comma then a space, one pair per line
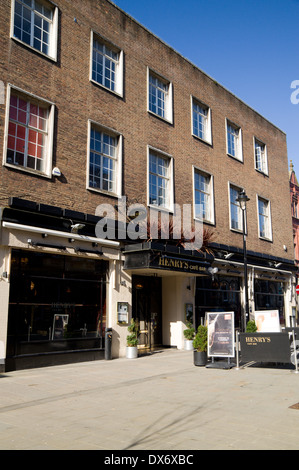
155, 402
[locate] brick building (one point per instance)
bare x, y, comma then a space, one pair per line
98, 108
294, 193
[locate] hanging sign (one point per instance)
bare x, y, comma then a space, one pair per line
221, 338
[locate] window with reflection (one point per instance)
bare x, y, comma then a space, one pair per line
29, 133
35, 24
106, 65
236, 222
219, 294
160, 96
56, 298
269, 295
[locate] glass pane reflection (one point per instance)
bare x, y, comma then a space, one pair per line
56, 298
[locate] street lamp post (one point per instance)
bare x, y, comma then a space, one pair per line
242, 200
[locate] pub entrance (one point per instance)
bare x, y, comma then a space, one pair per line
147, 310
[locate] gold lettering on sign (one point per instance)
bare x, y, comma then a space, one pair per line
253, 340
180, 264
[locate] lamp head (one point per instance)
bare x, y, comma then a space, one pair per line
242, 199
76, 227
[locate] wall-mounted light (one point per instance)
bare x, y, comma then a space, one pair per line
56, 172
76, 227
212, 270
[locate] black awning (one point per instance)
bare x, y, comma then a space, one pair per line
165, 257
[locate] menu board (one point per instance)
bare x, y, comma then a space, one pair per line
122, 312
221, 337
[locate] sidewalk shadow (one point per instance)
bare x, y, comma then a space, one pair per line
152, 433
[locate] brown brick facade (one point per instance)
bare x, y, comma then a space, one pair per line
66, 83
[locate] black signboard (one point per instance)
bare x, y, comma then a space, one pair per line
265, 347
157, 260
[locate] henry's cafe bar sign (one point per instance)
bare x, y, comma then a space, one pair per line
172, 263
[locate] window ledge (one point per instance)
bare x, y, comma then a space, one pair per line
168, 121
27, 170
207, 222
262, 172
204, 141
52, 58
235, 158
100, 85
265, 239
160, 208
102, 191
236, 230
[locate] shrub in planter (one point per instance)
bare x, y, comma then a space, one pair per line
132, 340
189, 336
200, 344
251, 327
189, 332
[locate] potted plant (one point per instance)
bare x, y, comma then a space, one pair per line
132, 340
200, 344
189, 336
251, 327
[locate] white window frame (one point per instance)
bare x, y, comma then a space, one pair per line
207, 134
268, 235
240, 216
168, 96
211, 210
169, 206
52, 53
119, 63
117, 190
263, 156
238, 152
47, 171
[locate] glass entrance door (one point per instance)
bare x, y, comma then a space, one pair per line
147, 310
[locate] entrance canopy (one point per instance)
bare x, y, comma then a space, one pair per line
166, 257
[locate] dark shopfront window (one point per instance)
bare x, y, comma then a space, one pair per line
54, 298
269, 295
219, 294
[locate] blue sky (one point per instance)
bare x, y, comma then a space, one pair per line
251, 47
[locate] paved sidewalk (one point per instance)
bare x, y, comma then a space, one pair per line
156, 402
